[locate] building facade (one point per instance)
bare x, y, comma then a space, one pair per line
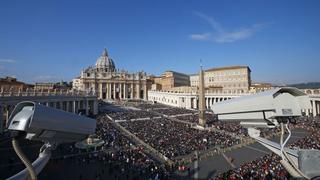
11, 84
45, 86
109, 83
260, 87
190, 99
230, 79
171, 79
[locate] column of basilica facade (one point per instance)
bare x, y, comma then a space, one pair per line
109, 83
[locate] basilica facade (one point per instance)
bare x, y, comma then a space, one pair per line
109, 83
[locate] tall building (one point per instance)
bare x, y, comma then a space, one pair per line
171, 79
230, 78
156, 82
109, 83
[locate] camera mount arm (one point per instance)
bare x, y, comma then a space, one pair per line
38, 164
299, 163
272, 146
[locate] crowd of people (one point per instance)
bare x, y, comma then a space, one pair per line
231, 127
123, 158
151, 106
173, 111
132, 114
212, 121
127, 156
266, 167
194, 118
173, 139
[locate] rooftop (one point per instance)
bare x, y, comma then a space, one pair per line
228, 68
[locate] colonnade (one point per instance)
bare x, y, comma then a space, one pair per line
122, 90
208, 100
315, 110
190, 100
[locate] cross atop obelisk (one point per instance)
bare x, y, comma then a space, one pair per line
201, 95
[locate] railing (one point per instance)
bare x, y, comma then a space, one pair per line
46, 93
312, 93
216, 93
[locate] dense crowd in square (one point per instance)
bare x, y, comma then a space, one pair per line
127, 155
132, 114
174, 111
212, 121
152, 106
123, 159
174, 139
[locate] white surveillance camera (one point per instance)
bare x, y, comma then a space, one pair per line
269, 109
263, 109
42, 123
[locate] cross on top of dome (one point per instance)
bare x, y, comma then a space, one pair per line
105, 52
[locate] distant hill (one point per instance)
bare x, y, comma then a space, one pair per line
310, 85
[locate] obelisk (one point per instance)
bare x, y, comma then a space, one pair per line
202, 105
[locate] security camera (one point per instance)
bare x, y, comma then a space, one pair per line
269, 109
37, 122
263, 109
42, 123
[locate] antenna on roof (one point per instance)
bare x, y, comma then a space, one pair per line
201, 64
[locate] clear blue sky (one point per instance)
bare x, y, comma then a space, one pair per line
54, 40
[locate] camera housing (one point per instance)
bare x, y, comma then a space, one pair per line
41, 123
263, 109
